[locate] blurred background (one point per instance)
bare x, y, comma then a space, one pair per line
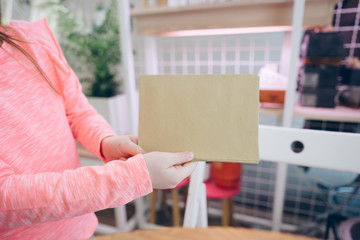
89, 35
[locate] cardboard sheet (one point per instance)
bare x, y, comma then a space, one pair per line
214, 116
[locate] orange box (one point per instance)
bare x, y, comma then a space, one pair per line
272, 95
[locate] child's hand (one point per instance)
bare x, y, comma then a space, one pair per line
168, 169
120, 147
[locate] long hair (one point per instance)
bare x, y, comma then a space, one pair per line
11, 40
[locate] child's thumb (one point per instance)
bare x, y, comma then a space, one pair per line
134, 149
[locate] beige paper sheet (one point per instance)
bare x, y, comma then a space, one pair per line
214, 116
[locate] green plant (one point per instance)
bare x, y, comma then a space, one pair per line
98, 49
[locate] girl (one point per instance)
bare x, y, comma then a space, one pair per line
44, 193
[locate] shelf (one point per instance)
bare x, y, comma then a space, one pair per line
232, 14
271, 109
337, 114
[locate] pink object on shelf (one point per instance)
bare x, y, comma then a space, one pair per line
225, 180
216, 192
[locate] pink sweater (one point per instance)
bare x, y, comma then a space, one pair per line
44, 193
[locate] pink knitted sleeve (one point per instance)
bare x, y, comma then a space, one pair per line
29, 199
35, 188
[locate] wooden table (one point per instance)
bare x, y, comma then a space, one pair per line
211, 233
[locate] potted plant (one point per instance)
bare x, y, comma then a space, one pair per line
95, 56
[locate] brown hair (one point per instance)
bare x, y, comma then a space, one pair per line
12, 42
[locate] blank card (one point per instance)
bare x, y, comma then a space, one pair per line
214, 116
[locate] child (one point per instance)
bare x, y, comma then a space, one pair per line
44, 193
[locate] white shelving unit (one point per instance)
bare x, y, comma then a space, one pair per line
235, 16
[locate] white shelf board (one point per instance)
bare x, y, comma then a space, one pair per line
232, 14
337, 114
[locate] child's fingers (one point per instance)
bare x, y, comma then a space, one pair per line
186, 169
179, 158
